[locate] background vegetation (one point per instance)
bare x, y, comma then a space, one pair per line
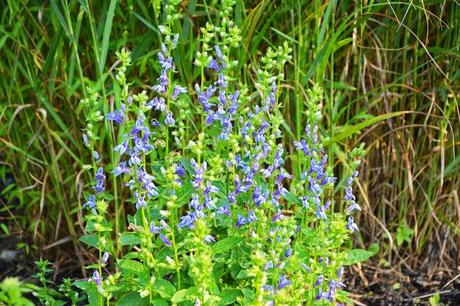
390, 71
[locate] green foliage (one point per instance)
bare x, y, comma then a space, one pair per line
359, 255
404, 234
12, 291
214, 215
435, 300
45, 292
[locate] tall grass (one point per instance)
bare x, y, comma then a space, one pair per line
391, 71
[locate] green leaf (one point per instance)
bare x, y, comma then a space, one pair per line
94, 297
164, 288
342, 296
347, 131
291, 198
133, 299
185, 295
228, 296
61, 18
435, 300
91, 240
404, 234
243, 274
4, 228
225, 244
222, 187
129, 239
106, 35
186, 163
342, 85
184, 193
160, 302
249, 296
180, 296
131, 266
360, 255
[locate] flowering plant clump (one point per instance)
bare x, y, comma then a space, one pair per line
218, 217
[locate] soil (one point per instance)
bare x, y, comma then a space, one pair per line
14, 262
371, 285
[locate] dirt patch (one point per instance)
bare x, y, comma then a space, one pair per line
370, 285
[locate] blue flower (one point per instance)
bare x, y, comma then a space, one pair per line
305, 267
251, 217
158, 104
272, 97
210, 117
224, 210
165, 240
221, 82
139, 126
169, 119
165, 62
134, 160
120, 169
278, 161
154, 229
140, 202
180, 171
91, 203
199, 172
340, 273
302, 146
210, 189
96, 278
353, 207
349, 196
283, 282
283, 175
155, 122
330, 295
146, 183
177, 90
96, 156
268, 265
121, 148
100, 174
268, 288
319, 280
305, 202
240, 221
195, 202
277, 216
117, 116
320, 294
204, 96
218, 52
214, 65
85, 140
258, 196
209, 239
267, 172
320, 213
351, 225
187, 221
100, 177
104, 258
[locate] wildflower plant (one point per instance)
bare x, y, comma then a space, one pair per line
218, 212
